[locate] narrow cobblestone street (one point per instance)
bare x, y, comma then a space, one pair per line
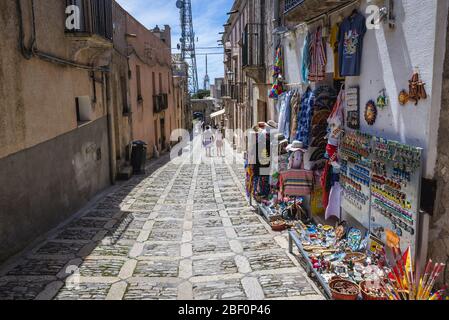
184, 231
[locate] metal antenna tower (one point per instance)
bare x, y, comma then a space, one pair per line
206, 77
188, 52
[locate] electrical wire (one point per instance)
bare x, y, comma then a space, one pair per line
31, 52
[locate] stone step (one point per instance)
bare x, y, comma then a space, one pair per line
125, 173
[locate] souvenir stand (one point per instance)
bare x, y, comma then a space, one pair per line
355, 175
395, 193
350, 200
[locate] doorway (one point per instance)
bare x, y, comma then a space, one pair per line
162, 122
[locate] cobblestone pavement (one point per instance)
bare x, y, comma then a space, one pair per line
185, 231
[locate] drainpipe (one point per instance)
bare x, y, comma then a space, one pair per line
110, 125
276, 16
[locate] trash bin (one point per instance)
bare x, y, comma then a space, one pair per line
139, 157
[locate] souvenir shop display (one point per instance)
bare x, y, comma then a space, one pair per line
331, 196
349, 200
352, 108
278, 70
334, 43
335, 253
405, 283
348, 269
355, 175
370, 112
351, 34
395, 190
318, 60
257, 164
417, 90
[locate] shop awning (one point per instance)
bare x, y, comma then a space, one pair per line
218, 113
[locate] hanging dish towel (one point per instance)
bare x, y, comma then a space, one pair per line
333, 209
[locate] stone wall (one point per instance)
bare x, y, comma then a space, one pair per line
43, 185
37, 98
439, 225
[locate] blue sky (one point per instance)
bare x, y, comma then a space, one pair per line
208, 19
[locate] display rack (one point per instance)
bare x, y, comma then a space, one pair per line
355, 175
381, 181
395, 193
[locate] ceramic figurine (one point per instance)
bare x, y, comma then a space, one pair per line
403, 97
371, 112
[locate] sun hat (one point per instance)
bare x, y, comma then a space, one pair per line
296, 146
272, 124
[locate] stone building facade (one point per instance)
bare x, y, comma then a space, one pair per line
249, 47
152, 88
70, 108
55, 129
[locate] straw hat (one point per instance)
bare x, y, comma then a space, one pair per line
272, 124
296, 146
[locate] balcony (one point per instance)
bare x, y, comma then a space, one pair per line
297, 11
291, 4
92, 34
160, 102
253, 52
95, 18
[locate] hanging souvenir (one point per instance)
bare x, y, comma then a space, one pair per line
278, 83
371, 112
417, 89
403, 97
382, 100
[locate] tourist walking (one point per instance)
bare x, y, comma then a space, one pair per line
219, 142
208, 140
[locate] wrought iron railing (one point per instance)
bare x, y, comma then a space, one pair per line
160, 102
95, 18
291, 4
253, 45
